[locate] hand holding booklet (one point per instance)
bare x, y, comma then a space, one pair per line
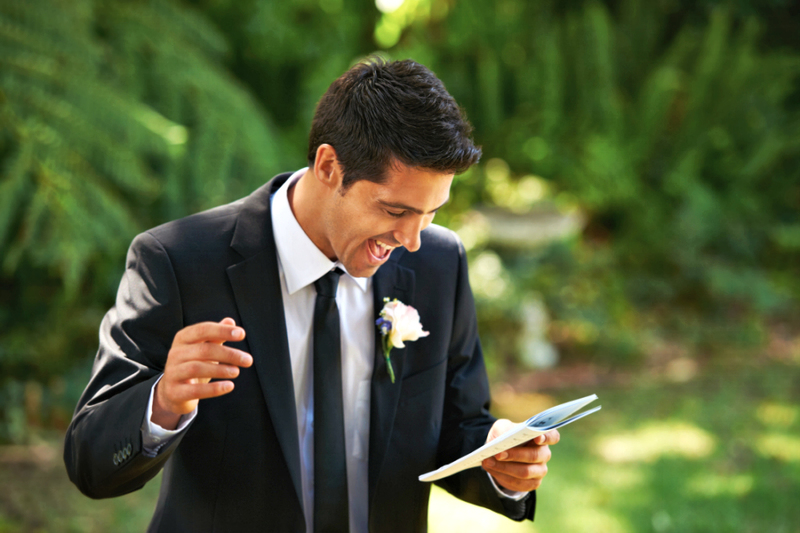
552, 418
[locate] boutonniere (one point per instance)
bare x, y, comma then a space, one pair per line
398, 322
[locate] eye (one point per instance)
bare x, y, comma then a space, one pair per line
395, 215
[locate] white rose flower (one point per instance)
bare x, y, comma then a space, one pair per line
398, 322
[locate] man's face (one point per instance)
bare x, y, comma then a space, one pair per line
369, 220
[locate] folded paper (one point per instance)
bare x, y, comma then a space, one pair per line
552, 418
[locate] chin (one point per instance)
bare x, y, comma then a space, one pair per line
366, 272
362, 271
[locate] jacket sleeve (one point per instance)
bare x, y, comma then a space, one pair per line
466, 420
103, 445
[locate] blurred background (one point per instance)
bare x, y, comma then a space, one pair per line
633, 227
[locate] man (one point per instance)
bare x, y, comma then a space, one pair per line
232, 296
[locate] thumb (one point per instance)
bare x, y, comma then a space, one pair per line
500, 426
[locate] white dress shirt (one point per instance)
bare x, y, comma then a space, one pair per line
300, 264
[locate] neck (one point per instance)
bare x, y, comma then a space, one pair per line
306, 204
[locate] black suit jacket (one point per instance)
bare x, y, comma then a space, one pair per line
237, 467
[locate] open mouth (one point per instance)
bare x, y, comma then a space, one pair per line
379, 250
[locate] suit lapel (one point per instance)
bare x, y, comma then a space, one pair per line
256, 287
392, 281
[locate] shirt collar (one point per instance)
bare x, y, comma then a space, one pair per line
301, 261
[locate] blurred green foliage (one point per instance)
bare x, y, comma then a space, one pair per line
679, 138
672, 126
116, 116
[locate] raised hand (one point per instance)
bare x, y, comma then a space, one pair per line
197, 355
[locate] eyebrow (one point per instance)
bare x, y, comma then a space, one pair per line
409, 208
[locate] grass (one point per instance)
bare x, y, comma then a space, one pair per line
38, 497
718, 452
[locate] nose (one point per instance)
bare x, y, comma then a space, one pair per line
408, 232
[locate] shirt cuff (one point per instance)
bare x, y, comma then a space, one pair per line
154, 437
505, 493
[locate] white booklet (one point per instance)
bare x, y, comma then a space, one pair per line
552, 418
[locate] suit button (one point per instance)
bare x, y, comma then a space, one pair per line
116, 459
129, 448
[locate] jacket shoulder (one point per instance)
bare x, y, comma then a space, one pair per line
204, 227
441, 255
435, 236
439, 245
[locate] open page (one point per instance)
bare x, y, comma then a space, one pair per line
552, 418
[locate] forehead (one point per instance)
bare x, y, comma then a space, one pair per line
423, 189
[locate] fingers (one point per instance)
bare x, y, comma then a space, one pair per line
203, 341
526, 484
197, 356
551, 437
522, 467
227, 321
524, 454
219, 332
208, 351
189, 392
203, 370
174, 399
523, 470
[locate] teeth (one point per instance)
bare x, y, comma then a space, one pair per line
384, 246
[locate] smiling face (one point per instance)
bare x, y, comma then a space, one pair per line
362, 225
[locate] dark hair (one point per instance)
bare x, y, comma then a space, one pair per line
379, 111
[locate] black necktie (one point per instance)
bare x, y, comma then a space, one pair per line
330, 468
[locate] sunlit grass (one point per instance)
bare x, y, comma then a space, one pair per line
713, 485
778, 415
654, 441
719, 452
451, 514
779, 446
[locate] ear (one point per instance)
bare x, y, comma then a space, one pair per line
326, 166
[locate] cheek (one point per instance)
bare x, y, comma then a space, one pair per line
359, 225
356, 234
